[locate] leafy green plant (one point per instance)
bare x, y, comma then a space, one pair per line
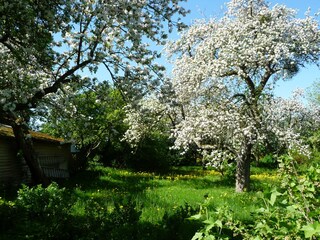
124, 219
118, 222
290, 212
43, 202
218, 224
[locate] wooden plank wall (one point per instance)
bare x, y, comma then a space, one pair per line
10, 169
53, 157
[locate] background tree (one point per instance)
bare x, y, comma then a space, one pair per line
314, 93
93, 119
149, 126
46, 48
314, 97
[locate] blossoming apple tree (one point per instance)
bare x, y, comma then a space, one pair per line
47, 48
224, 73
225, 70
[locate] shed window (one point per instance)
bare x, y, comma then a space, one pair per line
51, 161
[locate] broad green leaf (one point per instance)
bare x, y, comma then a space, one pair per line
311, 229
196, 217
291, 208
197, 236
218, 223
274, 196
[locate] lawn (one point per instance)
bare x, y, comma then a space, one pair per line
157, 194
123, 204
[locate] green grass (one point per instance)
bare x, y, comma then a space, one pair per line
157, 194
115, 197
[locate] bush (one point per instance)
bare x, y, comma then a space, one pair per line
41, 202
124, 219
99, 222
48, 213
45, 211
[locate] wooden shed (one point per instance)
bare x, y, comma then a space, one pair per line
53, 153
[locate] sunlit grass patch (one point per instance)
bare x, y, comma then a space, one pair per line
262, 177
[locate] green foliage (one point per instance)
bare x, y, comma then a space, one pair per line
99, 220
315, 140
152, 154
229, 172
48, 208
26, 27
49, 213
219, 223
290, 212
124, 219
40, 202
311, 230
93, 119
268, 161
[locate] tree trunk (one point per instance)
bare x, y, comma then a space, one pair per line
243, 170
25, 145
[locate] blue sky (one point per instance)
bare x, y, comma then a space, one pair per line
216, 8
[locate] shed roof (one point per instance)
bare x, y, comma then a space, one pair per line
6, 131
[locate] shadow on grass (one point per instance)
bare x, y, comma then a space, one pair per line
94, 180
180, 230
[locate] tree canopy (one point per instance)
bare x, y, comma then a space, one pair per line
46, 47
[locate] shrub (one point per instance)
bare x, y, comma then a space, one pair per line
43, 202
45, 211
124, 219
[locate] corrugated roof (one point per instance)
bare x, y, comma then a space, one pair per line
7, 131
